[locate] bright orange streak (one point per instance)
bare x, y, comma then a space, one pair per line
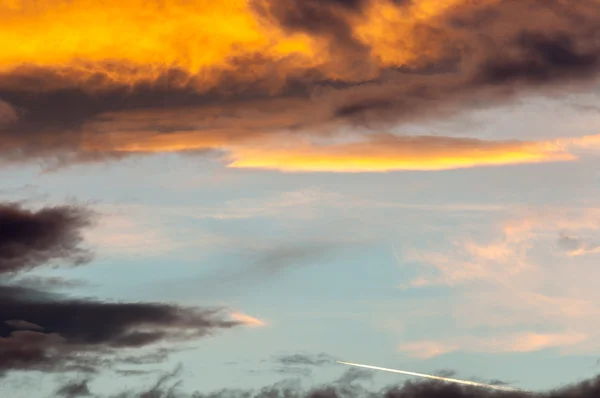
247, 319
379, 154
371, 157
131, 40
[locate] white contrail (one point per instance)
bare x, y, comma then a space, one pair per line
471, 383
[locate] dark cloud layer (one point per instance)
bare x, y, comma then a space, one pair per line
74, 389
484, 52
301, 364
64, 330
44, 330
29, 239
85, 325
347, 387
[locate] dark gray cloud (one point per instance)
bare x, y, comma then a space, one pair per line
8, 115
446, 373
30, 239
74, 389
355, 374
570, 243
301, 364
41, 329
496, 382
305, 359
169, 386
71, 329
294, 370
576, 243
18, 324
47, 282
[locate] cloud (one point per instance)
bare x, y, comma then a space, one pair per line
169, 385
302, 364
90, 329
22, 325
427, 349
30, 239
446, 373
514, 288
123, 234
352, 375
383, 152
305, 359
263, 261
247, 319
518, 342
41, 329
311, 67
575, 246
46, 283
8, 115
74, 389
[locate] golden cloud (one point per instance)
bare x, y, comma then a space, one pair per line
81, 79
131, 40
377, 153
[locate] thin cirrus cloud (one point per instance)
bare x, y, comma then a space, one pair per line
518, 342
377, 153
514, 276
370, 63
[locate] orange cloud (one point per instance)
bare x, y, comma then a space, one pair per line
132, 40
427, 349
378, 153
239, 71
247, 319
389, 153
520, 342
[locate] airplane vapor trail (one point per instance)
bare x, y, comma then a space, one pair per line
471, 383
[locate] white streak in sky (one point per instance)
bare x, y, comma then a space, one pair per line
471, 383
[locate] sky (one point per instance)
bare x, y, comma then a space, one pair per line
221, 199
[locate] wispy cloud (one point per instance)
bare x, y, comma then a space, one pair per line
517, 342
514, 281
247, 319
121, 234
